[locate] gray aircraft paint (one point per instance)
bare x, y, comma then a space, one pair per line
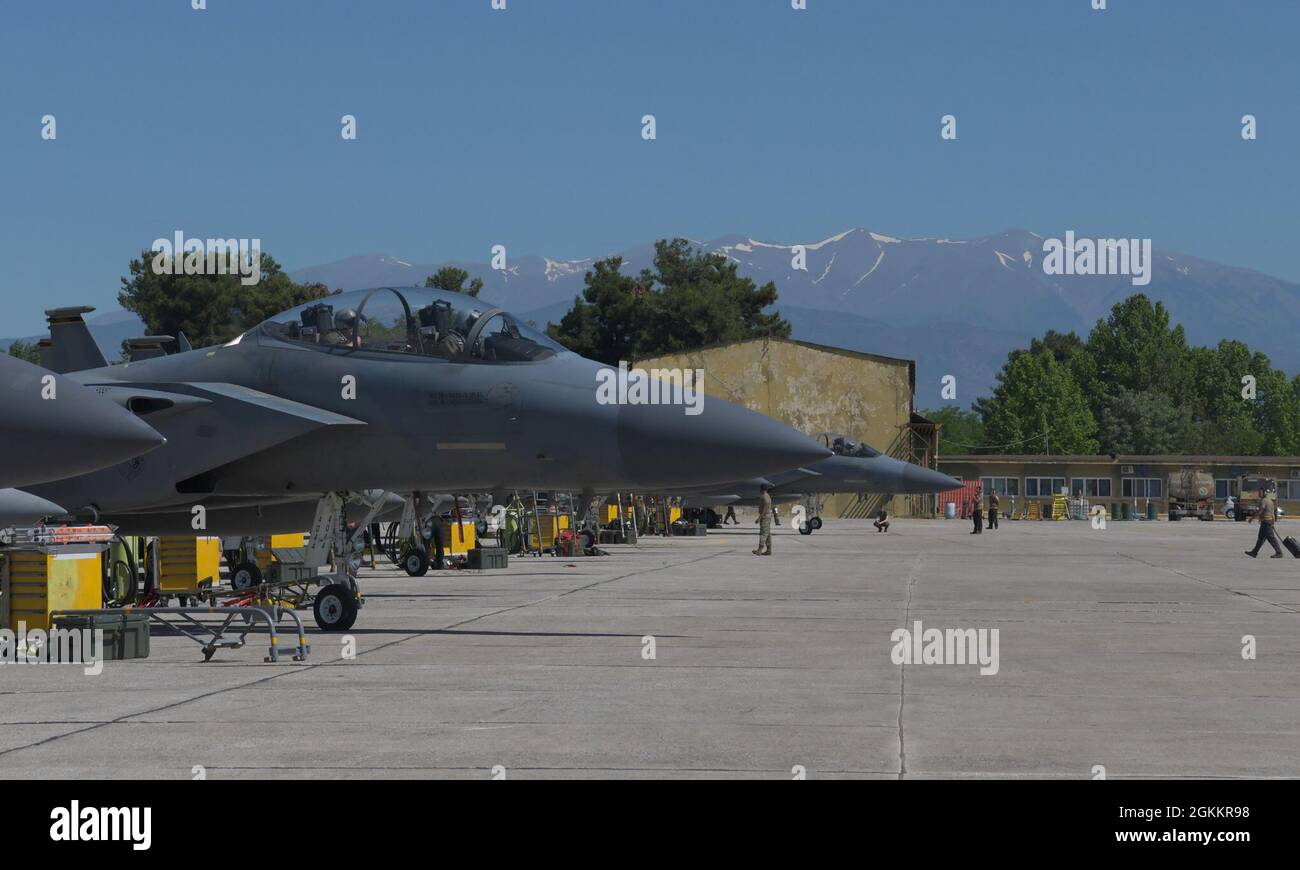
263, 418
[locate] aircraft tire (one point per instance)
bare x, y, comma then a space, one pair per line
805, 528
416, 562
816, 523
335, 608
245, 575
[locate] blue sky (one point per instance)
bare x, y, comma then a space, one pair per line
522, 127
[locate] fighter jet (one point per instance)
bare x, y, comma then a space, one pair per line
855, 467
54, 428
398, 389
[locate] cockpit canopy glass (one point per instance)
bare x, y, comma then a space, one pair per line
413, 320
842, 446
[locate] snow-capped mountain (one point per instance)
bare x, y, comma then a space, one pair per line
957, 306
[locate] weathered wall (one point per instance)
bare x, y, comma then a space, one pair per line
810, 388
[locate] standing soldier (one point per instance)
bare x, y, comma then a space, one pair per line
994, 504
764, 523
1267, 516
977, 510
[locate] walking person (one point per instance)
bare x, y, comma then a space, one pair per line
994, 505
764, 521
1267, 517
977, 511
731, 515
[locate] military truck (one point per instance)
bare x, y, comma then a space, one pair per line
1191, 494
1246, 504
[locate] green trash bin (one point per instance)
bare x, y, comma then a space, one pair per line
1151, 510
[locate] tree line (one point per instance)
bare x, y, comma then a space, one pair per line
1133, 386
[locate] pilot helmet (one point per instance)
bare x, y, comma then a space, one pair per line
345, 318
467, 320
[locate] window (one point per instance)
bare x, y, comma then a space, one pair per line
1142, 487
1284, 489
1225, 487
1091, 487
1000, 485
1043, 487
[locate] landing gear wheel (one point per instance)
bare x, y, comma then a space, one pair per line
588, 539
816, 523
416, 563
805, 528
245, 576
335, 608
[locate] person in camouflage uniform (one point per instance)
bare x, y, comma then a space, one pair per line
764, 523
1267, 517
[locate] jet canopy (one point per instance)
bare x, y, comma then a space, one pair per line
841, 446
413, 320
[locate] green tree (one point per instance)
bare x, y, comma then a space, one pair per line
25, 350
1136, 349
453, 280
690, 299
1277, 413
962, 432
1146, 423
209, 309
1038, 408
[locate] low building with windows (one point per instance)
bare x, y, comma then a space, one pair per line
1113, 479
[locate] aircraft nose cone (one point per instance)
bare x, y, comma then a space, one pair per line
661, 445
916, 479
56, 428
19, 508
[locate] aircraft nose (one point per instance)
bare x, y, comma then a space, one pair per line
61, 429
112, 433
20, 508
81, 436
661, 445
916, 479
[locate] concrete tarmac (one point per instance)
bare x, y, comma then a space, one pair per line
1118, 648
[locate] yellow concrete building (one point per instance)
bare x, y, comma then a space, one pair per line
816, 389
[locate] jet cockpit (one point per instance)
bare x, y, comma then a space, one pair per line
413, 320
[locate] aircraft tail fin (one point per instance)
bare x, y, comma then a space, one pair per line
72, 348
183, 343
147, 347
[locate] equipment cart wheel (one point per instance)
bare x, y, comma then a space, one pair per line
335, 608
415, 562
245, 576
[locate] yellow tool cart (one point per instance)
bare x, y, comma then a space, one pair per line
551, 526
45, 569
458, 538
186, 562
265, 557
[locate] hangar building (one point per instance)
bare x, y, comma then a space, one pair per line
819, 389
